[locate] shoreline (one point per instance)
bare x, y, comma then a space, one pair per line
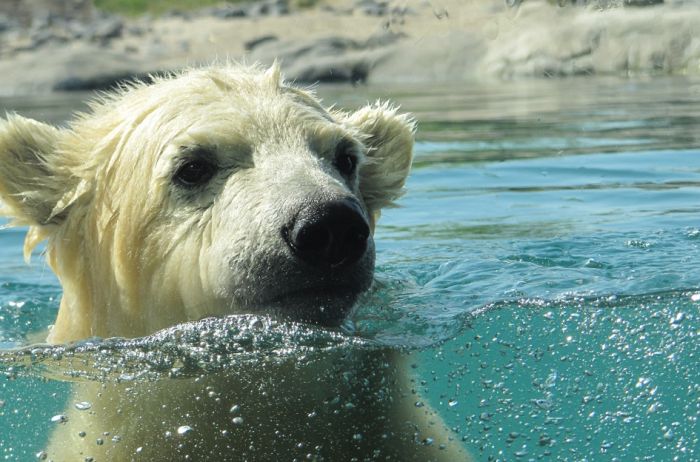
415, 42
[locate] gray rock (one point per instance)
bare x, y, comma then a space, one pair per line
105, 29
227, 11
329, 59
249, 10
81, 66
5, 23
252, 44
372, 7
269, 8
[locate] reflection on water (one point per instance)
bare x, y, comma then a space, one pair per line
543, 269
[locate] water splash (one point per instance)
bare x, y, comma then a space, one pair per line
185, 350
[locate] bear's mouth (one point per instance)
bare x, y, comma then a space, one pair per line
324, 305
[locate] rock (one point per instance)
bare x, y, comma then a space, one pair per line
98, 82
329, 59
251, 44
269, 8
81, 66
227, 11
372, 7
105, 29
5, 23
642, 2
249, 10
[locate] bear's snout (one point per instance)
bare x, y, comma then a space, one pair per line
329, 235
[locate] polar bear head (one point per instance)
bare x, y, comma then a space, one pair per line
216, 191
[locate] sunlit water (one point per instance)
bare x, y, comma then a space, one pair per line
544, 266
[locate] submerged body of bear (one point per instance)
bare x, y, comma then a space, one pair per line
221, 191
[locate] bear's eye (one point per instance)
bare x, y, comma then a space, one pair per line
345, 158
194, 172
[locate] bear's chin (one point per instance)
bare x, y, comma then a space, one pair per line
325, 306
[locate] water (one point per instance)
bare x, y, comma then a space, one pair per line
544, 269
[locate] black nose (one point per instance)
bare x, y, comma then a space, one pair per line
329, 235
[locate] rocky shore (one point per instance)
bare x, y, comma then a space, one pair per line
69, 45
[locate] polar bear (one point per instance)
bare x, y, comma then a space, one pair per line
217, 191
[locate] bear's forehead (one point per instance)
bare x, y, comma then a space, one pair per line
243, 109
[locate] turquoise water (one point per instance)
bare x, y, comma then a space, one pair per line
544, 267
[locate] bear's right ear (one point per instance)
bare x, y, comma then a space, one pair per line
30, 184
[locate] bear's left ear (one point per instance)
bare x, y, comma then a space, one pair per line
31, 185
389, 138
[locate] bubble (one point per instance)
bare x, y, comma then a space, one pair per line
184, 430
235, 409
41, 455
59, 418
83, 406
237, 420
678, 318
452, 403
99, 441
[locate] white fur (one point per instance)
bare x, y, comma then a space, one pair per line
135, 253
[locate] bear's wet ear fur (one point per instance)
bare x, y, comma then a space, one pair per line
31, 186
389, 139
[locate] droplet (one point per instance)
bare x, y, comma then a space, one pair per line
545, 440
184, 430
60, 418
83, 406
678, 318
237, 420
